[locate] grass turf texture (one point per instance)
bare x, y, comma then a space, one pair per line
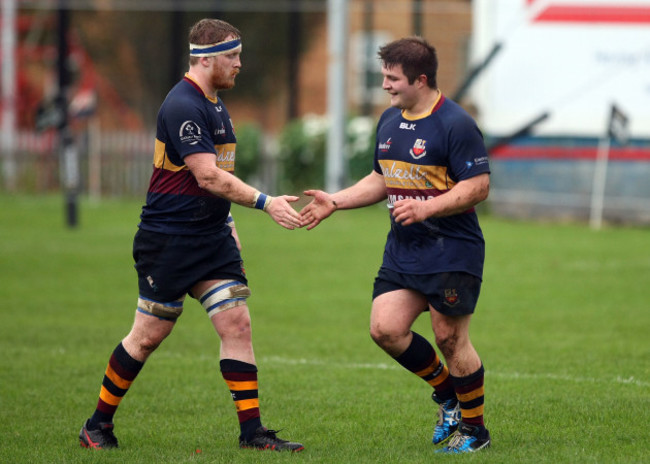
561, 327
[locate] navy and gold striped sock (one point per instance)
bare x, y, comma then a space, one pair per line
120, 373
241, 379
421, 359
470, 393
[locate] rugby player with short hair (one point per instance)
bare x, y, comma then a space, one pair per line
187, 243
432, 166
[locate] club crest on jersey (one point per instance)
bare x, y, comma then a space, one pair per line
419, 149
451, 297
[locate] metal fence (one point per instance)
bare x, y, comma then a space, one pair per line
110, 163
120, 163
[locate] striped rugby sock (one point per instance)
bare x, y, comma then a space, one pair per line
421, 359
470, 393
120, 373
241, 379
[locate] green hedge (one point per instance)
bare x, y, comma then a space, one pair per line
301, 152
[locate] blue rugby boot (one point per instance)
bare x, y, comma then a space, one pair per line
448, 419
467, 439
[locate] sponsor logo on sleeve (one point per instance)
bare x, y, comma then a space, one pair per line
220, 131
384, 147
476, 162
190, 133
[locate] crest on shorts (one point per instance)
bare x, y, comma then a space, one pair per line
419, 149
451, 297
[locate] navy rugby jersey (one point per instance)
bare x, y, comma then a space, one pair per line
422, 158
188, 122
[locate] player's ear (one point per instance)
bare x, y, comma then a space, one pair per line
205, 61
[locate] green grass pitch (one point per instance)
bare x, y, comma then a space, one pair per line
562, 327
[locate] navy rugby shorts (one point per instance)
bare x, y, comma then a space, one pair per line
449, 293
169, 266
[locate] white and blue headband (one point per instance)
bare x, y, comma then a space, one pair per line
227, 46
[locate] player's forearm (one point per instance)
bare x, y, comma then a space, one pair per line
225, 185
222, 183
231, 188
368, 191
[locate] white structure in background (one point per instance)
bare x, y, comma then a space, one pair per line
8, 102
573, 58
337, 33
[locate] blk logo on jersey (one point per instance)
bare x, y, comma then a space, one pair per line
407, 126
419, 149
190, 132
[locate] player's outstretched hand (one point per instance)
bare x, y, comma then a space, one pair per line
321, 207
283, 213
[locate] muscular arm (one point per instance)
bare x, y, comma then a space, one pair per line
217, 181
463, 196
225, 185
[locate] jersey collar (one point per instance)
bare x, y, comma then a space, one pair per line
436, 105
187, 78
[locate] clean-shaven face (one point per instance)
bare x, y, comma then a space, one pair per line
402, 94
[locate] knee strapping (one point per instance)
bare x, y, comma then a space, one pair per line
224, 295
169, 311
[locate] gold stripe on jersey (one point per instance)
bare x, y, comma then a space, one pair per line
402, 175
225, 157
160, 158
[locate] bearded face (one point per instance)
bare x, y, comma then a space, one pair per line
224, 69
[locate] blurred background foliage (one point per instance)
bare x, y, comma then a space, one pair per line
300, 152
145, 62
123, 59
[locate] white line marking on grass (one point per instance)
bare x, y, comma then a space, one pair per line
318, 362
569, 378
489, 373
